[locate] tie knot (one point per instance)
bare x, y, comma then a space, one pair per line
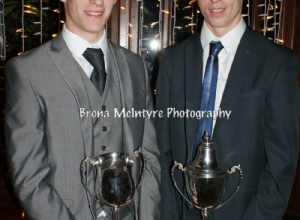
95, 57
215, 48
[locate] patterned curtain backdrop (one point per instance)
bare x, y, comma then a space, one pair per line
29, 23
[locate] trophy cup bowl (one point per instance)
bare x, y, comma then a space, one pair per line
205, 179
114, 182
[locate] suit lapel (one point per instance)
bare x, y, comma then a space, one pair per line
125, 81
193, 67
241, 66
67, 66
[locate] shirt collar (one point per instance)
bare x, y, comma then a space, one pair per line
227, 41
77, 45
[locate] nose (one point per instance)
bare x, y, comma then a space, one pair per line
97, 2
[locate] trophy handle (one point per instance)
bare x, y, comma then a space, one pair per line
144, 161
82, 166
180, 167
231, 171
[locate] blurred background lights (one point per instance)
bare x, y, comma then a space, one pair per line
154, 44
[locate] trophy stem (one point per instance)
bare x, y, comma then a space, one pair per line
116, 213
204, 214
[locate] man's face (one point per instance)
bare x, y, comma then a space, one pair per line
221, 16
87, 18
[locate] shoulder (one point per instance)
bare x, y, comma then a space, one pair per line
179, 48
127, 53
32, 55
265, 46
125, 58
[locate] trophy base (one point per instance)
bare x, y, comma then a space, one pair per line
116, 213
204, 214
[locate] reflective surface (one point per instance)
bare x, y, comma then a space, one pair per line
114, 183
205, 179
117, 186
205, 192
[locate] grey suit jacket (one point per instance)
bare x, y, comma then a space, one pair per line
47, 139
261, 133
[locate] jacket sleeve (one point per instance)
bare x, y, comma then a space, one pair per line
281, 144
168, 200
150, 195
27, 151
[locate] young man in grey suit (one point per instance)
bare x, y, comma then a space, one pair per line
257, 86
52, 120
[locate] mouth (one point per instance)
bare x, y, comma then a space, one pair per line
94, 13
217, 10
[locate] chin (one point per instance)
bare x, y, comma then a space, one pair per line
218, 24
95, 30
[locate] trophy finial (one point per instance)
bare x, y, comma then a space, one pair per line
206, 137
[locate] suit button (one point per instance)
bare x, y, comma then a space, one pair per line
104, 128
103, 107
103, 148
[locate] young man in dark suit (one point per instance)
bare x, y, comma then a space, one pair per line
255, 82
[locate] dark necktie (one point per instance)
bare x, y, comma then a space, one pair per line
96, 58
208, 94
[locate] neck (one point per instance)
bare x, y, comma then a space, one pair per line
221, 31
88, 36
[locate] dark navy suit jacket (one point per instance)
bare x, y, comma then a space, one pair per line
261, 134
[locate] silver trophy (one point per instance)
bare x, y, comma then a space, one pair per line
114, 183
205, 179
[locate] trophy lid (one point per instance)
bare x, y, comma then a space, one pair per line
206, 161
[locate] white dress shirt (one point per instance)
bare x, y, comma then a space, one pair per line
230, 42
77, 45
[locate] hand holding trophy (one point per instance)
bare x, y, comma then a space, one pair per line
205, 180
114, 184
